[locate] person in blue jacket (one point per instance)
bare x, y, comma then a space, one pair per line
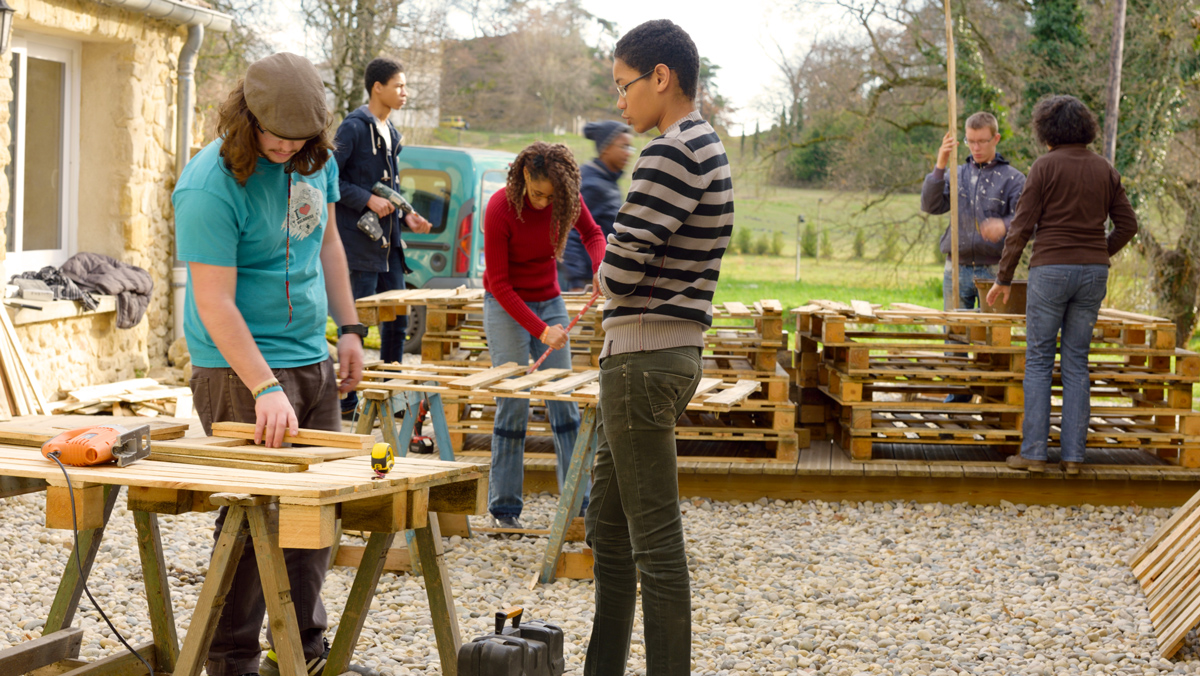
366, 154
601, 194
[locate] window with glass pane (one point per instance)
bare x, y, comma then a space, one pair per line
44, 110
429, 193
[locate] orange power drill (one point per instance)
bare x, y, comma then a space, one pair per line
100, 444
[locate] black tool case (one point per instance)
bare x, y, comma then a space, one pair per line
531, 649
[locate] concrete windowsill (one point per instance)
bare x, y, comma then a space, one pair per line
53, 310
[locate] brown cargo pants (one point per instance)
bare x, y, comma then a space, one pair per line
220, 396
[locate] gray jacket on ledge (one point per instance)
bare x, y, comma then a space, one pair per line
990, 191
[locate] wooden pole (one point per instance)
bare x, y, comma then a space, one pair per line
952, 165
1112, 110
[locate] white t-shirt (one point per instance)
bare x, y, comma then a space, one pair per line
382, 126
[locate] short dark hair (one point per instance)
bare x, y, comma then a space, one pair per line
381, 70
1062, 120
661, 41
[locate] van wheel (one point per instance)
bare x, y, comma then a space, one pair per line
416, 330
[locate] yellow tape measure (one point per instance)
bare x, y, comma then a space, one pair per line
382, 459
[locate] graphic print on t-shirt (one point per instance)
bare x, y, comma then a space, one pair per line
305, 213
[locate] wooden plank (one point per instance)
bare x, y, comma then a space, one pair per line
30, 382
487, 377
41, 651
299, 455
567, 384
306, 437
268, 466
863, 308
734, 395
528, 381
735, 309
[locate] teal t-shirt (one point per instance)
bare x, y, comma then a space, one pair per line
218, 222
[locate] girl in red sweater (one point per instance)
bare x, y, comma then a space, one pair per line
523, 310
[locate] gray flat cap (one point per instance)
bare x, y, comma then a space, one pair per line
285, 93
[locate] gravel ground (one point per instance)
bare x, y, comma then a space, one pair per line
778, 588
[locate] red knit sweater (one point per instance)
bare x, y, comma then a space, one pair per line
521, 267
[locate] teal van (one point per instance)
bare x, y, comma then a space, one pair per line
450, 187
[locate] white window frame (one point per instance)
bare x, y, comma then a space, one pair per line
67, 52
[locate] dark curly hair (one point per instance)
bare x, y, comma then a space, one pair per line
552, 161
1062, 120
381, 69
236, 126
661, 41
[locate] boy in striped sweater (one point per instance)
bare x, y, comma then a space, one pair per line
659, 274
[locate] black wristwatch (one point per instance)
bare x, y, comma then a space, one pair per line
359, 330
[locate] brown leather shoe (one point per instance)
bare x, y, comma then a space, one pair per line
1071, 467
1018, 462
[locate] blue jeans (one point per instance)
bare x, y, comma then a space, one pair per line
634, 524
1065, 297
391, 334
508, 341
968, 295
968, 298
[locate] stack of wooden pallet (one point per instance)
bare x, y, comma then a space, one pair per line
139, 396
869, 375
469, 394
743, 344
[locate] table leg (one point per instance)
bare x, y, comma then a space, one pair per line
216, 586
70, 587
572, 497
366, 419
277, 589
441, 431
158, 591
358, 603
441, 597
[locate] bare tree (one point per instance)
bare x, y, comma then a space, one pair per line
353, 32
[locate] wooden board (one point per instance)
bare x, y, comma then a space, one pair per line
306, 437
37, 430
1168, 568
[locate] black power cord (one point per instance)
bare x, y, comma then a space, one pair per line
83, 576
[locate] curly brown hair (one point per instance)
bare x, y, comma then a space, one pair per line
1063, 120
555, 162
240, 150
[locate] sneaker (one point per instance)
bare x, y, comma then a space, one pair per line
1020, 462
1071, 467
270, 665
349, 415
507, 522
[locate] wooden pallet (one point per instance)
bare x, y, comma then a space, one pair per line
1168, 568
882, 375
736, 406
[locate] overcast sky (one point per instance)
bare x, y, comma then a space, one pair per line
738, 36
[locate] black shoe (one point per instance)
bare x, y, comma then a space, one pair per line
510, 522
349, 415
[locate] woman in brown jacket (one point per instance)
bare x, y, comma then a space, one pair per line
1070, 194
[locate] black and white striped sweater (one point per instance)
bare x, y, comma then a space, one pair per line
661, 266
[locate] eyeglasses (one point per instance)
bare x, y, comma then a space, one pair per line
274, 135
622, 90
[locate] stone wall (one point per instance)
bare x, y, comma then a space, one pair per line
127, 172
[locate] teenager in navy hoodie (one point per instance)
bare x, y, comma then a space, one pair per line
367, 149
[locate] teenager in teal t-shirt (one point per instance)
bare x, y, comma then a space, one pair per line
265, 268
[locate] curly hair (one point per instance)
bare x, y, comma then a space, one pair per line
1062, 120
555, 162
236, 125
661, 41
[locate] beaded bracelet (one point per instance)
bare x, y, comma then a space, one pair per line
270, 382
268, 390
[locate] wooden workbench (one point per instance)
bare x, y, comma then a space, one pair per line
296, 510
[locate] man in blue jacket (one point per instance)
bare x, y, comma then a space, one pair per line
367, 149
598, 186
988, 190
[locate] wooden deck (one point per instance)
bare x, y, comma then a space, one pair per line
921, 472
